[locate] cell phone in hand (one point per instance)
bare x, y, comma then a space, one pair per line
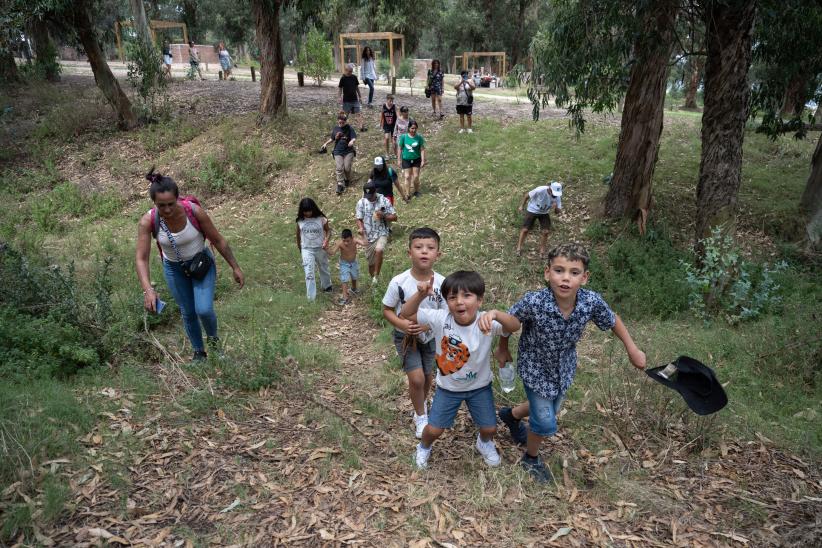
159, 305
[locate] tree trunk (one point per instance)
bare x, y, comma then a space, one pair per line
102, 73
44, 51
138, 10
189, 17
727, 93
811, 202
693, 82
796, 96
630, 191
8, 68
272, 84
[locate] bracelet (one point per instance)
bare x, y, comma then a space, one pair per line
149, 289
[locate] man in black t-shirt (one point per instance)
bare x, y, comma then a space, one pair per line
349, 94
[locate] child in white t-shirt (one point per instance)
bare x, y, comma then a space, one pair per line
463, 337
414, 341
539, 202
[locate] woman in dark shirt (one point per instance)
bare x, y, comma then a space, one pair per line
435, 84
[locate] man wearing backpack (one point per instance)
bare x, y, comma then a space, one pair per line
465, 100
181, 227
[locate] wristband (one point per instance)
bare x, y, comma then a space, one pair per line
149, 289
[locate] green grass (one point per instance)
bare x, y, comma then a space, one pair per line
470, 193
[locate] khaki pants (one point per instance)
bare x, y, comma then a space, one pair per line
343, 167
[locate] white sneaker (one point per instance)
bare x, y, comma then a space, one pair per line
462, 130
470, 130
374, 280
419, 424
488, 451
421, 456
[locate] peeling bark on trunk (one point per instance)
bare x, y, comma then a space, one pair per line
630, 192
694, 78
811, 202
272, 85
8, 68
102, 73
727, 93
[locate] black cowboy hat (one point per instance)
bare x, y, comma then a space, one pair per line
694, 381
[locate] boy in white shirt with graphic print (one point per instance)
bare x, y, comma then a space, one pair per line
463, 336
414, 342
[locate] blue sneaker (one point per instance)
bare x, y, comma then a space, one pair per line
518, 432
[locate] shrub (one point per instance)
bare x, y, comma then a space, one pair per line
408, 71
242, 166
315, 58
49, 325
724, 283
641, 276
384, 68
145, 74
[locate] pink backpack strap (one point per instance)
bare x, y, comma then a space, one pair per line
189, 207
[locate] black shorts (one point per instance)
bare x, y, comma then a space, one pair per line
544, 220
465, 109
388, 129
411, 163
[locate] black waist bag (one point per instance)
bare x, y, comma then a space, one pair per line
199, 266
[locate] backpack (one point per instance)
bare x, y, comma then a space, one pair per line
186, 202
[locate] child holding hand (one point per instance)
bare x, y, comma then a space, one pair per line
463, 337
349, 267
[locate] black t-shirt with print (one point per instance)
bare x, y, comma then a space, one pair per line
389, 115
349, 85
341, 145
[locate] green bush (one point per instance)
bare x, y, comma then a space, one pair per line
384, 68
407, 71
242, 166
67, 200
723, 283
162, 136
145, 74
641, 276
51, 326
315, 58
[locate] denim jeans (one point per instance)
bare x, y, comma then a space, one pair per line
370, 83
543, 413
195, 299
312, 255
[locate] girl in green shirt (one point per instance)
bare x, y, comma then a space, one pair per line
412, 147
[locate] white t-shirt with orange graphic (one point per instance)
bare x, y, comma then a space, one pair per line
463, 351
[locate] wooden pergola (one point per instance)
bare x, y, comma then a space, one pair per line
359, 37
152, 25
474, 54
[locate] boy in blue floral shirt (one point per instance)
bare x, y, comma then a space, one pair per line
553, 320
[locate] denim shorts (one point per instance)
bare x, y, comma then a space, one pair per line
349, 271
446, 403
542, 417
421, 357
350, 108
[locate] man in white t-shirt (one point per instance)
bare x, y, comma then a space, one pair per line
463, 339
539, 204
